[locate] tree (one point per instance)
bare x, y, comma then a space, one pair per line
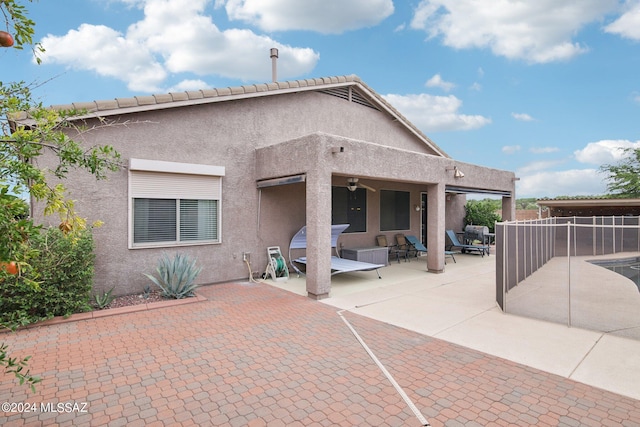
29, 130
526, 203
624, 177
482, 212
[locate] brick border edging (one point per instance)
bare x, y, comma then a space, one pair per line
96, 314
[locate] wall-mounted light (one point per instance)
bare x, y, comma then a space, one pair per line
457, 173
417, 208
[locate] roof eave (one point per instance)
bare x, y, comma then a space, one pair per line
140, 104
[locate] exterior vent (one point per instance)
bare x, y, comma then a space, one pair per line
349, 94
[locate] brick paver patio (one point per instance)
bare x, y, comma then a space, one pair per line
254, 355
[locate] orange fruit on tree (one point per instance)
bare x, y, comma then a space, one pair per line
10, 267
6, 39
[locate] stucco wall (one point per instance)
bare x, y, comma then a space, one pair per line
234, 135
222, 134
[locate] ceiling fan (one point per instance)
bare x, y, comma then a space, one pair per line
352, 185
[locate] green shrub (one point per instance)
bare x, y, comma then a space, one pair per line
481, 212
62, 267
176, 276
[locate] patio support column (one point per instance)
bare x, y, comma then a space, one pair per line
318, 231
436, 201
508, 209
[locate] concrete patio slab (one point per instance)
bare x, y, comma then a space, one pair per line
420, 313
612, 364
542, 345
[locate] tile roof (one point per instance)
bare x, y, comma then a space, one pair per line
119, 106
174, 99
605, 200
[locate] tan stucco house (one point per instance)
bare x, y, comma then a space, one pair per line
222, 172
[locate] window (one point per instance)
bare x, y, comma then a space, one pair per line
394, 210
154, 220
174, 203
163, 220
349, 207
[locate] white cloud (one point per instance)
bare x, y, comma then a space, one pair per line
536, 31
323, 16
628, 25
575, 182
435, 113
511, 149
436, 81
174, 37
543, 150
604, 152
476, 87
523, 117
187, 85
541, 165
105, 51
542, 179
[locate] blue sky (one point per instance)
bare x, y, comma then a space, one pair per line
548, 89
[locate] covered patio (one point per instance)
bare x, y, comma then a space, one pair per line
310, 166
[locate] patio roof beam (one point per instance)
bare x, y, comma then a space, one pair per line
293, 179
463, 190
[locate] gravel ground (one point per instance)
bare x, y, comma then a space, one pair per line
135, 299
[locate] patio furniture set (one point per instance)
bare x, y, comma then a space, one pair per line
375, 257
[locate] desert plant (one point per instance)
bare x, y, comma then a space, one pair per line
103, 300
146, 292
176, 276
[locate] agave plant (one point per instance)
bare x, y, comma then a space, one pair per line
103, 300
176, 276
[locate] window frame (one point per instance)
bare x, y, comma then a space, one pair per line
400, 212
349, 203
179, 182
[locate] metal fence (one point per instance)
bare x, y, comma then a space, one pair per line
558, 245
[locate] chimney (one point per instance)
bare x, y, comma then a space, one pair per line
274, 68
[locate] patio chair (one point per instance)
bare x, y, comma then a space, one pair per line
419, 247
393, 249
405, 247
416, 245
455, 243
338, 265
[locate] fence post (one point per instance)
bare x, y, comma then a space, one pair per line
613, 233
569, 272
594, 235
517, 231
505, 268
622, 234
